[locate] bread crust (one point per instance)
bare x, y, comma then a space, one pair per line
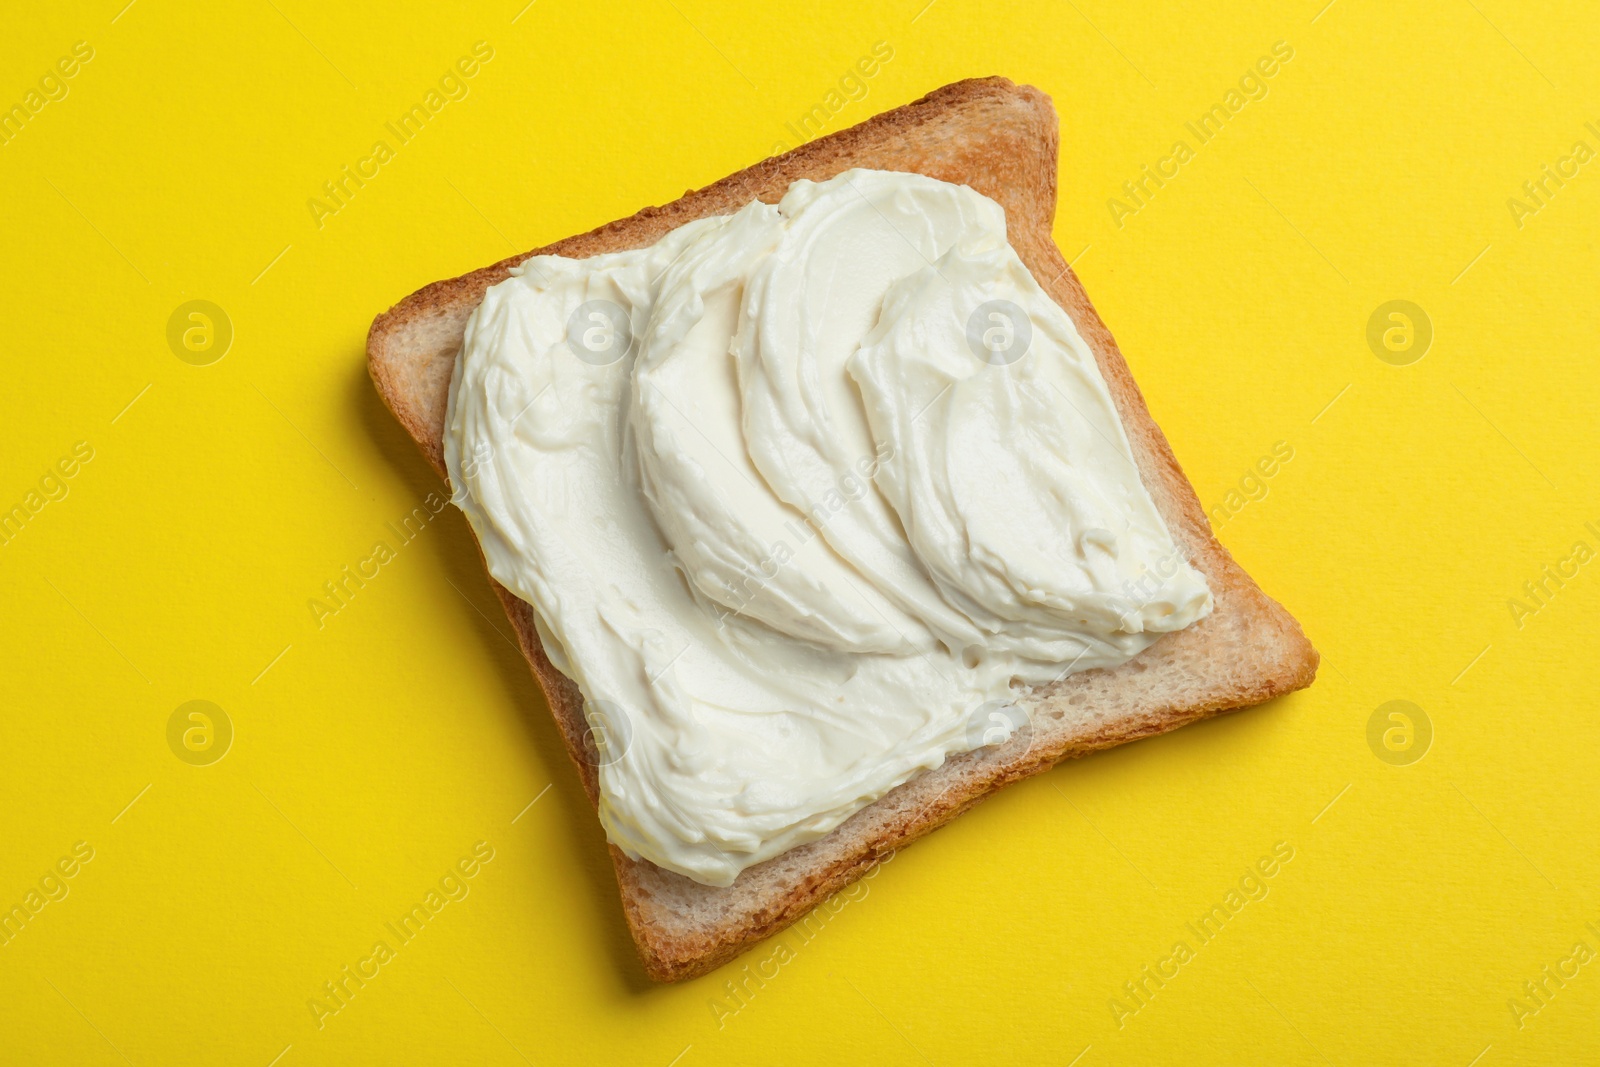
1000, 139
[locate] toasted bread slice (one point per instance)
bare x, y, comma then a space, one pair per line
1000, 139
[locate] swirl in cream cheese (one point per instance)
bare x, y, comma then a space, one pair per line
781, 519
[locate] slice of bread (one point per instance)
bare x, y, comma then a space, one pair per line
1000, 139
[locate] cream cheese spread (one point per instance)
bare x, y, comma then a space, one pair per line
800, 497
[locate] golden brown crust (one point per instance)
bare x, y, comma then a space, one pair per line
1000, 139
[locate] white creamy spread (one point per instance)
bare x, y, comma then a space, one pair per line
802, 498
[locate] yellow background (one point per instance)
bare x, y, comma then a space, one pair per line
372, 752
